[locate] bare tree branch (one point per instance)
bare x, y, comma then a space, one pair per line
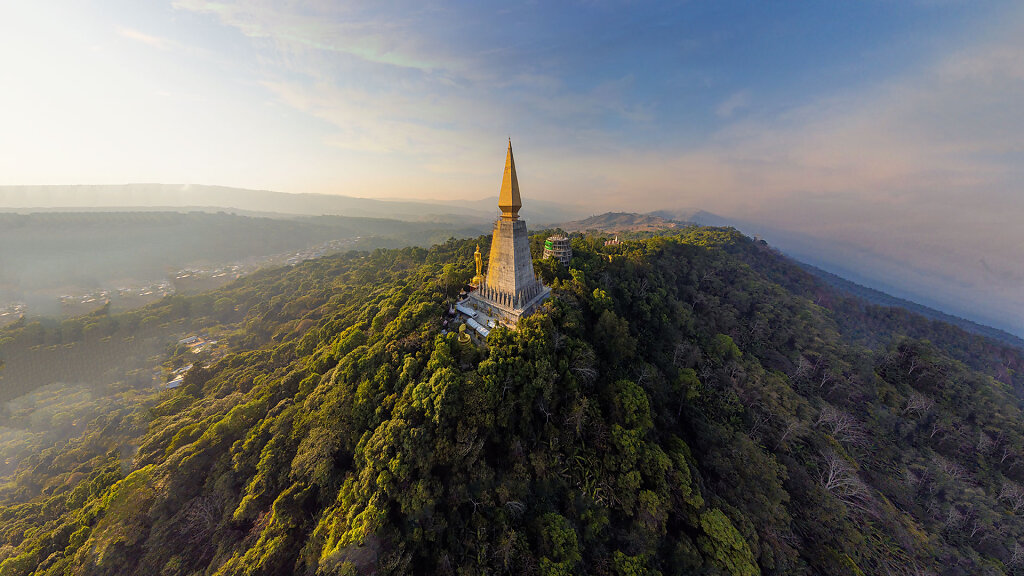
918, 403
1012, 495
840, 479
841, 425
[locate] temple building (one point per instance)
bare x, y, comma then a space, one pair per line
559, 248
510, 289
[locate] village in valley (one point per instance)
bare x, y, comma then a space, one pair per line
191, 280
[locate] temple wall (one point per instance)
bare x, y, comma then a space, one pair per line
510, 267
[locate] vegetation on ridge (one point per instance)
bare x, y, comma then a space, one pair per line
685, 404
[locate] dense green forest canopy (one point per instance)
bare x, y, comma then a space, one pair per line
691, 403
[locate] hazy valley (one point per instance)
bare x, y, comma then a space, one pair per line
71, 263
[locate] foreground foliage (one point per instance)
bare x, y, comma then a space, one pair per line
688, 404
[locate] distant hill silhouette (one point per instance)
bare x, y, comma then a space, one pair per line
178, 197
620, 222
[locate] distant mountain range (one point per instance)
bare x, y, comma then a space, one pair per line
57, 240
620, 222
190, 197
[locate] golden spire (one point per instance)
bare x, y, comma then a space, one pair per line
509, 200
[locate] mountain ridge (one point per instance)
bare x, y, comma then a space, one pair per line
622, 222
881, 298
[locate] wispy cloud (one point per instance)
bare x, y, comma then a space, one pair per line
391, 79
926, 170
736, 101
364, 30
955, 128
147, 39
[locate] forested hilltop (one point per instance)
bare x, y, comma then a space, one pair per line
692, 403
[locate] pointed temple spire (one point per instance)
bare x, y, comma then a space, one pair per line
509, 200
511, 289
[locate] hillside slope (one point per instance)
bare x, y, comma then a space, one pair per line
633, 225
882, 299
960, 278
691, 404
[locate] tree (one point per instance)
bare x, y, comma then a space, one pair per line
841, 425
612, 336
839, 479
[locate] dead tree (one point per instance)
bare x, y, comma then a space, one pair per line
803, 369
918, 403
791, 428
583, 365
839, 479
955, 471
954, 518
1006, 452
985, 443
1016, 556
1012, 495
841, 426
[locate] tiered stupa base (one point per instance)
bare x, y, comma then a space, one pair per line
504, 308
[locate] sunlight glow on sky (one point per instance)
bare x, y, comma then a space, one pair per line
896, 126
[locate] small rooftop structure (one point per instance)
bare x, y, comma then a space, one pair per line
478, 327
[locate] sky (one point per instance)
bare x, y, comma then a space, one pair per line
894, 128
